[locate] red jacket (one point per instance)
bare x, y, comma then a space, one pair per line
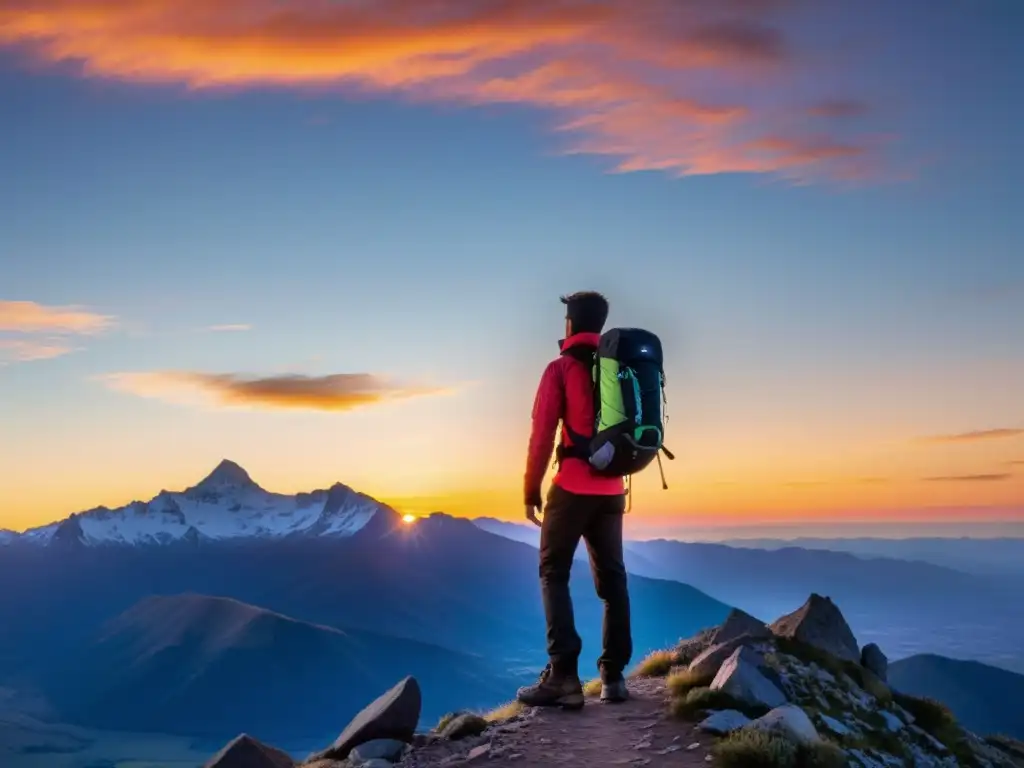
566, 393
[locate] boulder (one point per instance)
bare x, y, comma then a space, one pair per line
378, 749
737, 624
740, 678
790, 721
892, 722
247, 752
873, 660
820, 623
724, 722
464, 725
709, 662
692, 647
393, 715
837, 727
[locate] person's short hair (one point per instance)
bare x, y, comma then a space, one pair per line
586, 310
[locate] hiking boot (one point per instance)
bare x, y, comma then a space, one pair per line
614, 691
613, 688
553, 690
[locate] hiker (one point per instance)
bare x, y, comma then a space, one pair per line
580, 504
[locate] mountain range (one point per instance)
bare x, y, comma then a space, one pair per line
114, 606
226, 505
982, 556
909, 607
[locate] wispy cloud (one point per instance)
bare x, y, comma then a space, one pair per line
23, 351
230, 328
337, 392
30, 317
30, 331
625, 79
1002, 433
984, 478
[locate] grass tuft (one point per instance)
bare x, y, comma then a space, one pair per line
698, 701
444, 721
592, 688
750, 748
682, 681
1007, 744
656, 664
937, 719
504, 712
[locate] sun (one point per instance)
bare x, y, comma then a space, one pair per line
409, 519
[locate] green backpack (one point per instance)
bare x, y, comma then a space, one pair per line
629, 400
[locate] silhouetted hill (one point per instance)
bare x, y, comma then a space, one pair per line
211, 666
985, 698
982, 556
441, 581
909, 607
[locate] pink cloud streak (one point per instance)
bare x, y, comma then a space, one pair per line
672, 85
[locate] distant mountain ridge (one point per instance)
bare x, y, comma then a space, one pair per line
226, 505
909, 606
987, 699
167, 664
983, 556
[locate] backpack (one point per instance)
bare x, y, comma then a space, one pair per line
629, 402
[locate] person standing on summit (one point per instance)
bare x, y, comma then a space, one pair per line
580, 504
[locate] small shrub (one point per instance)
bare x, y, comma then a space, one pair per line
808, 654
592, 688
656, 664
750, 748
504, 712
870, 682
936, 718
698, 701
680, 683
1010, 746
444, 721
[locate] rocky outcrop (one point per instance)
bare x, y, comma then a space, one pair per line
463, 725
739, 624
790, 721
820, 623
710, 661
873, 660
740, 677
247, 752
393, 715
723, 722
807, 702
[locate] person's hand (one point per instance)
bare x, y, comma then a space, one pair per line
531, 514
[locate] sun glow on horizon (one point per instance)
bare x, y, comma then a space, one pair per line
409, 519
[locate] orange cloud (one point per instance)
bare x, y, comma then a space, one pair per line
970, 478
338, 392
625, 79
30, 317
971, 437
21, 351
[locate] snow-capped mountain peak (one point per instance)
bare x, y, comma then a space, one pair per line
226, 505
226, 477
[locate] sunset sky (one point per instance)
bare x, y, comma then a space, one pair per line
326, 239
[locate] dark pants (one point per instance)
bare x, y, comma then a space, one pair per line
598, 520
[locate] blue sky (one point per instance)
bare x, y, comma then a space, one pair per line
818, 326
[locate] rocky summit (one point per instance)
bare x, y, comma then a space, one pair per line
785, 695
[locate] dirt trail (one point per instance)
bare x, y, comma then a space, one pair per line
636, 733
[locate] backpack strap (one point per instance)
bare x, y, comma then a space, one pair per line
579, 445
